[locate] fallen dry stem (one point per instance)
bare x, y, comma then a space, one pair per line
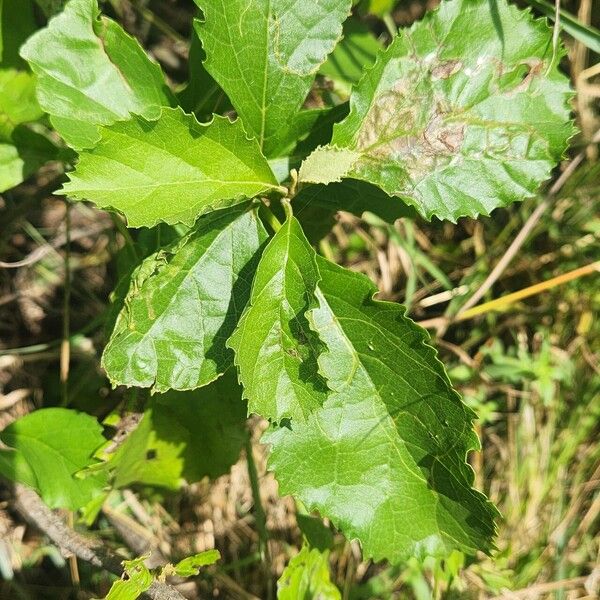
32, 509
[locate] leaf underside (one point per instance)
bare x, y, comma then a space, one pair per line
173, 169
464, 112
183, 304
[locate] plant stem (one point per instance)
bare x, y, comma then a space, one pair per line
65, 359
270, 218
65, 346
388, 21
122, 229
259, 513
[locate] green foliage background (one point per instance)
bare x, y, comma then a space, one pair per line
528, 369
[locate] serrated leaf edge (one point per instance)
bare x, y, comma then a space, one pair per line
432, 355
272, 187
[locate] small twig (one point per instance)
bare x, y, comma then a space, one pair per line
528, 291
39, 253
33, 510
65, 346
65, 358
543, 588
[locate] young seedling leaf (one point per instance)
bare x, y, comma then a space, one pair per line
22, 154
190, 566
173, 169
384, 458
46, 448
265, 55
90, 73
183, 304
464, 112
138, 579
275, 349
307, 577
17, 100
184, 436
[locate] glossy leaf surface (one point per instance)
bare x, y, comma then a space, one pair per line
173, 169
90, 73
384, 458
46, 448
455, 118
275, 350
183, 304
265, 54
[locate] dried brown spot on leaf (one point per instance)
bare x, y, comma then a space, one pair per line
445, 69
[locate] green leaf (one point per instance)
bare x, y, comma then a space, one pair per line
321, 129
328, 164
22, 150
379, 7
90, 72
462, 113
184, 436
173, 169
352, 196
1, 28
46, 448
17, 100
265, 55
356, 51
22, 154
316, 533
139, 580
307, 577
190, 566
315, 206
51, 7
275, 350
17, 23
183, 304
384, 458
202, 95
